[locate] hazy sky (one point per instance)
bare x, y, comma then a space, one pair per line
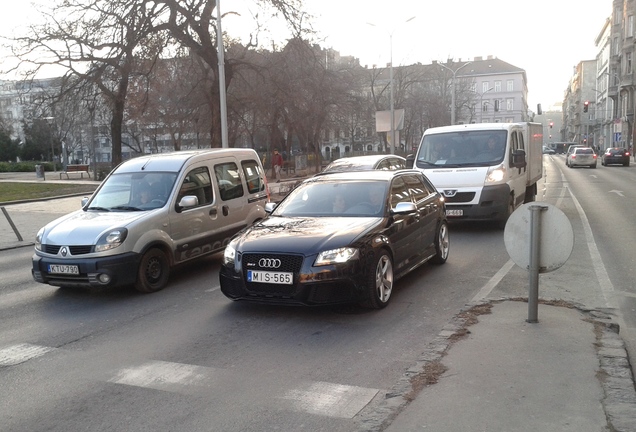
547, 38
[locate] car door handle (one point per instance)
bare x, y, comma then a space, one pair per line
212, 211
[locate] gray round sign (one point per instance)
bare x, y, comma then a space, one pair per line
556, 238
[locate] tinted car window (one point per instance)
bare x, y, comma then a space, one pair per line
399, 192
229, 181
362, 198
584, 151
418, 189
198, 183
254, 176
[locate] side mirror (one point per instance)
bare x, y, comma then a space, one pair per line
404, 208
518, 159
269, 207
187, 201
410, 161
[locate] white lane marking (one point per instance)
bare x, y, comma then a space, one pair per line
607, 289
493, 281
332, 400
617, 192
216, 288
21, 353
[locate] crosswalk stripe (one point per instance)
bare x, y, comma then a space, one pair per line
161, 375
320, 398
332, 400
17, 354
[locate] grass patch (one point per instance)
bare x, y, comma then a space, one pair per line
10, 191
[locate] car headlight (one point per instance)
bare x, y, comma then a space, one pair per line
111, 239
335, 256
496, 174
38, 239
229, 255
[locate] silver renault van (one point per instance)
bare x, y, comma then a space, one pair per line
151, 213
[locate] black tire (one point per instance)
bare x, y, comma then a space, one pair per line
379, 282
154, 271
511, 208
593, 166
442, 244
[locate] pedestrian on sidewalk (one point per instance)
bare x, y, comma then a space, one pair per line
277, 161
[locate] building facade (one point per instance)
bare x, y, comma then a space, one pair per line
500, 90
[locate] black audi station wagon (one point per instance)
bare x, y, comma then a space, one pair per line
339, 238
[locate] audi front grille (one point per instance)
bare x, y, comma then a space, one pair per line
288, 263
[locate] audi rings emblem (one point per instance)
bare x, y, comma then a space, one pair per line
269, 263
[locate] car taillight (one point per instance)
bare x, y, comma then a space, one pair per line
595, 156
626, 153
573, 156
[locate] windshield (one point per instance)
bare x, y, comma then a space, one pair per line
133, 192
330, 198
463, 148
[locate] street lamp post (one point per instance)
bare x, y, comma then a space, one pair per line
391, 101
221, 66
454, 72
48, 119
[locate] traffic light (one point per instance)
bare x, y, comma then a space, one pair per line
551, 124
586, 105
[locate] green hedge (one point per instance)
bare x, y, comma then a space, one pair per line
25, 166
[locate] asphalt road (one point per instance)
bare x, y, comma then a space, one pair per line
187, 358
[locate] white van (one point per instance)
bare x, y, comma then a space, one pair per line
151, 213
485, 171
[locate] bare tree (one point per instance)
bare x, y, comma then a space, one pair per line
193, 25
97, 41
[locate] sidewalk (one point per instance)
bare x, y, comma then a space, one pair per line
568, 372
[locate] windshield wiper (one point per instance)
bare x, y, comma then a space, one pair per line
125, 207
98, 209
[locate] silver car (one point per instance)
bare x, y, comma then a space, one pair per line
581, 156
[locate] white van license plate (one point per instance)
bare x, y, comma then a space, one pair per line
284, 278
454, 212
63, 269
